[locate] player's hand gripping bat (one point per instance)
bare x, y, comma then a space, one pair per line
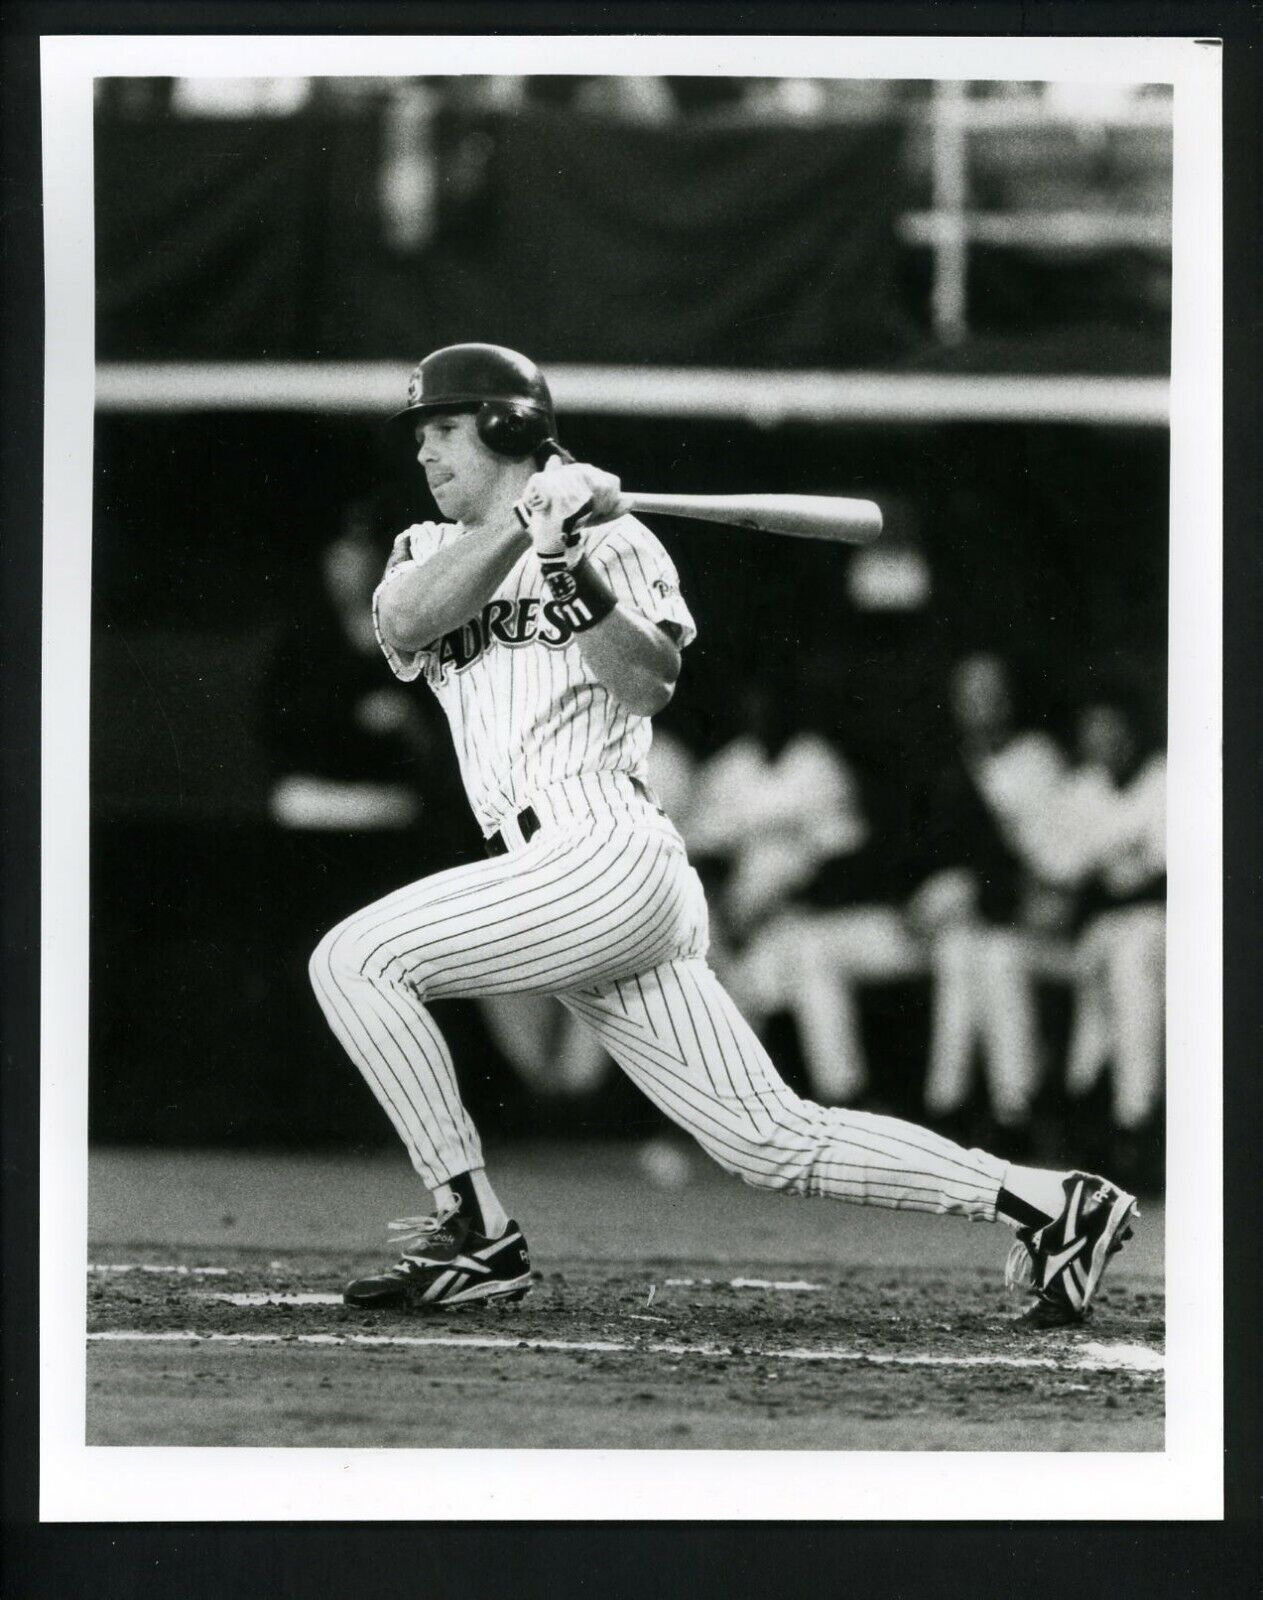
801, 516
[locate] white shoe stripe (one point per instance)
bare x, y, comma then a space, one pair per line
1124, 1205
472, 1265
1053, 1264
496, 1244
489, 1289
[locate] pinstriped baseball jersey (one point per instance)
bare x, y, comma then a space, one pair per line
525, 710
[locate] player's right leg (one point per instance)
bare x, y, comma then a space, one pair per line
679, 1036
682, 1040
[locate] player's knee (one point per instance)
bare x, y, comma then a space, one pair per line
340, 955
320, 966
769, 1165
773, 1156
355, 950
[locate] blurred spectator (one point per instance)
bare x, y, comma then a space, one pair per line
239, 97
1094, 105
350, 750
770, 807
552, 1053
987, 808
652, 99
821, 99
775, 809
647, 98
831, 952
643, 99
409, 179
1107, 838
630, 99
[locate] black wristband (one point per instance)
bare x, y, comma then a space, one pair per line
580, 592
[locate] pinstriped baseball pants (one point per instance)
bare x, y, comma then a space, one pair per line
605, 912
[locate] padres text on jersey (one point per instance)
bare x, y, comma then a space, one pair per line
524, 708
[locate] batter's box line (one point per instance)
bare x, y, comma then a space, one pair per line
279, 1297
176, 1271
1087, 1357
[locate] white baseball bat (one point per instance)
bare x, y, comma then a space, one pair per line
801, 516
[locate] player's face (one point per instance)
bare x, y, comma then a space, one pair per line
461, 472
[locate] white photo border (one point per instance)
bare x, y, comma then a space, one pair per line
82, 1483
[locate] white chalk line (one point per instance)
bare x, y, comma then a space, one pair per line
255, 1297
142, 1266
789, 1286
785, 1286
266, 1297
1089, 1357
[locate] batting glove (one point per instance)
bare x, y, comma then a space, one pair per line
557, 502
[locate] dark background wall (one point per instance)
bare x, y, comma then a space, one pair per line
709, 240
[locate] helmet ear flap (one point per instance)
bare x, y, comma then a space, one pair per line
511, 428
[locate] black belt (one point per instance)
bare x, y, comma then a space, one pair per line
526, 820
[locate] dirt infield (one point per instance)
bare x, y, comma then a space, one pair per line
700, 1316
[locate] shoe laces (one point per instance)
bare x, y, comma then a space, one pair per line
414, 1233
1019, 1269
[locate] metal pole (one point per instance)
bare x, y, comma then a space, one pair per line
949, 200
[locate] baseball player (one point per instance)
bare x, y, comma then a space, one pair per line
551, 627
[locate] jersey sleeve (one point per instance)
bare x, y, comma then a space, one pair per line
423, 539
638, 569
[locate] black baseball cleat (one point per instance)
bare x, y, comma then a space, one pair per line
1061, 1264
446, 1262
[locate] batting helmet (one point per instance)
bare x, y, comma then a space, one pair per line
505, 391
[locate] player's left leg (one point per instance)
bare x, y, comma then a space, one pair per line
560, 913
680, 1038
